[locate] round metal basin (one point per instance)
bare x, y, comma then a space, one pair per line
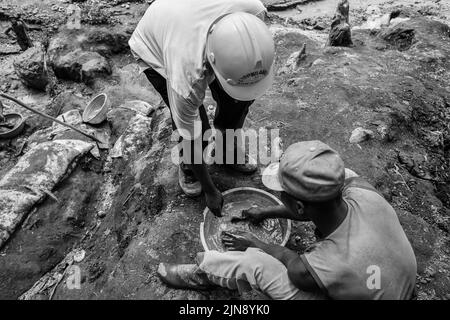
15, 119
244, 198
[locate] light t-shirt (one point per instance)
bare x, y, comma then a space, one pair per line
369, 242
171, 39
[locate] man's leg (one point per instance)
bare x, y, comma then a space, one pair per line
231, 114
251, 269
235, 270
188, 183
160, 84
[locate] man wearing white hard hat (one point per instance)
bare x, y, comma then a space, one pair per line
363, 252
184, 47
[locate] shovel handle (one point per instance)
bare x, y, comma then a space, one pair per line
4, 95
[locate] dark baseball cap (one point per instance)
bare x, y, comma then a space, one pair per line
308, 170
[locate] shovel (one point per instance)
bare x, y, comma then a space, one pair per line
50, 117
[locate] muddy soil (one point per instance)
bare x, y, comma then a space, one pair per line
128, 213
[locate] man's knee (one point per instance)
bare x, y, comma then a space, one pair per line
258, 262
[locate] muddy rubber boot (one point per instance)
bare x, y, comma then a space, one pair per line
188, 183
183, 276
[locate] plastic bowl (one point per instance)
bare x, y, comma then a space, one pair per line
209, 228
97, 109
19, 124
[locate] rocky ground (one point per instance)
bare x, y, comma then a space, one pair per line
115, 210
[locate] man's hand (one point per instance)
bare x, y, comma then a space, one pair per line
214, 201
239, 240
254, 215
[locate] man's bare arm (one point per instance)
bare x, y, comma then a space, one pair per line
213, 196
257, 215
279, 212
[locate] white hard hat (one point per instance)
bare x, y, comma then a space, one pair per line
241, 50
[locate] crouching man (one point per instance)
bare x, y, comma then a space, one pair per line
184, 47
363, 252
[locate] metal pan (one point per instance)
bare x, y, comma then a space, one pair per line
260, 198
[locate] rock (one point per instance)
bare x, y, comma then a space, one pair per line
74, 19
383, 130
81, 55
98, 39
38, 171
79, 255
377, 22
393, 22
294, 82
340, 33
416, 163
318, 62
319, 27
94, 67
294, 60
430, 272
30, 66
101, 214
14, 85
66, 101
20, 29
134, 138
118, 119
138, 106
72, 117
340, 36
360, 135
398, 37
386, 132
81, 66
434, 138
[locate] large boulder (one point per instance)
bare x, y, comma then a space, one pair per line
31, 68
30, 180
81, 66
82, 54
399, 37
101, 40
340, 33
429, 38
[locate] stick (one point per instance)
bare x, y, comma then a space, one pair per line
49, 117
